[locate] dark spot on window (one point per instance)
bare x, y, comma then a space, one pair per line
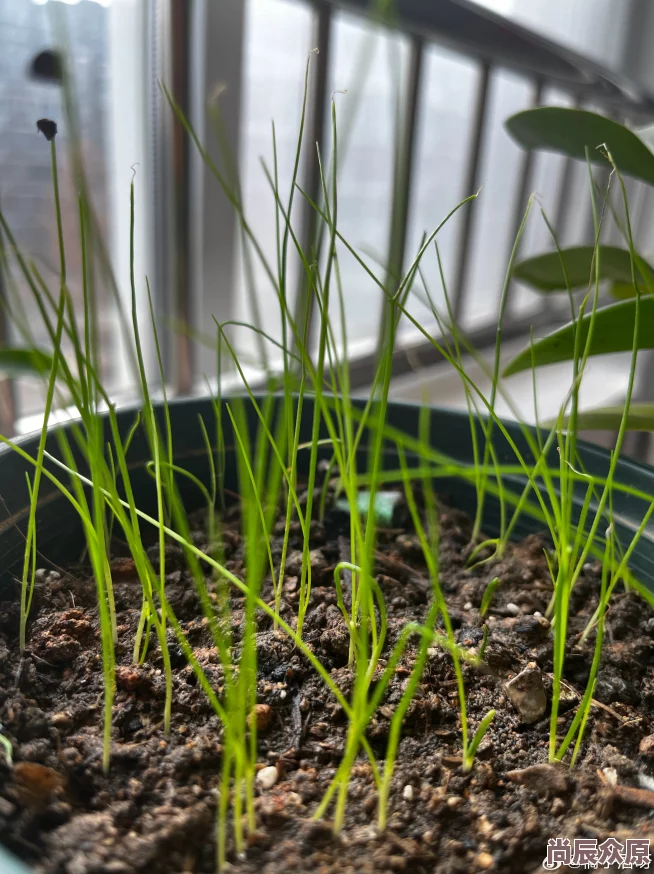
47, 67
47, 127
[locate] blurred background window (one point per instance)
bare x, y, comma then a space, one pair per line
259, 50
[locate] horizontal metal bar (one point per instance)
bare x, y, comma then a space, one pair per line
470, 29
410, 357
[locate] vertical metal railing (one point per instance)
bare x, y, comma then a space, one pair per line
525, 174
403, 180
7, 388
470, 186
303, 311
180, 80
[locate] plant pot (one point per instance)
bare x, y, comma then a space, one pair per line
60, 539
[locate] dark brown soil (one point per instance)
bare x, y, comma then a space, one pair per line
155, 810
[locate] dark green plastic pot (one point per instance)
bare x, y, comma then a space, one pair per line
60, 537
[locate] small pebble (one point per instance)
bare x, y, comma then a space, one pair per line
646, 747
467, 605
512, 608
558, 807
39, 574
611, 776
267, 777
407, 792
546, 779
6, 807
537, 614
262, 716
645, 781
485, 861
527, 693
63, 719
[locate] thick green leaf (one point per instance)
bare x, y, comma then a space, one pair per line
570, 131
24, 362
613, 332
546, 272
622, 291
639, 418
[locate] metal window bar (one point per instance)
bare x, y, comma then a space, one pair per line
180, 79
470, 186
403, 179
316, 137
524, 190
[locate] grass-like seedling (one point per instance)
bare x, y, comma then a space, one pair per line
277, 477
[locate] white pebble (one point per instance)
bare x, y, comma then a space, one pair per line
611, 776
39, 574
645, 781
282, 694
267, 777
407, 792
513, 608
467, 605
538, 614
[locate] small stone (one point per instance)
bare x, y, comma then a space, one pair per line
527, 693
558, 807
611, 757
485, 861
267, 777
6, 807
409, 545
611, 776
467, 605
407, 792
513, 609
568, 697
646, 782
646, 747
533, 628
262, 717
547, 779
452, 762
39, 574
62, 720
454, 801
485, 749
36, 783
70, 756
131, 677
